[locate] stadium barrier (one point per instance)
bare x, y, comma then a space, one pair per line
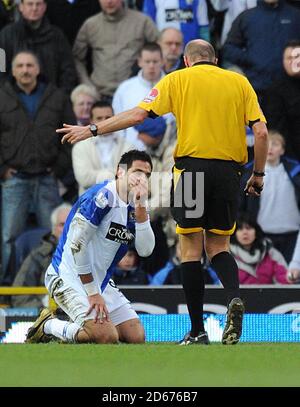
272, 313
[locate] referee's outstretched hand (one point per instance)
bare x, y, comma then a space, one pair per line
73, 134
254, 186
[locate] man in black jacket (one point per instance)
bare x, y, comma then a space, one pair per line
281, 102
70, 15
31, 155
34, 32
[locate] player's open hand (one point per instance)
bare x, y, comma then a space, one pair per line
254, 186
97, 303
73, 134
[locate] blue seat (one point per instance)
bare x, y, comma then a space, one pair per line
21, 247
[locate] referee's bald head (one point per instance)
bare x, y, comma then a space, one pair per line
199, 50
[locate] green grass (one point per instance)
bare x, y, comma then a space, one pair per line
150, 365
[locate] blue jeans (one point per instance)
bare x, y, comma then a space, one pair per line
20, 196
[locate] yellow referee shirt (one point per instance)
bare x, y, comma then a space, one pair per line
211, 106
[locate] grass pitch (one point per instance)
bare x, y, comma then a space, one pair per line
160, 364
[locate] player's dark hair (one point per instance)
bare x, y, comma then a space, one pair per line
134, 155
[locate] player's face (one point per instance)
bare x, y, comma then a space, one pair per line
245, 235
151, 64
33, 10
138, 171
111, 6
25, 69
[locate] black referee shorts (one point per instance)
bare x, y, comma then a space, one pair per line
205, 195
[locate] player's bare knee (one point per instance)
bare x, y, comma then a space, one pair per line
137, 337
131, 331
101, 333
106, 336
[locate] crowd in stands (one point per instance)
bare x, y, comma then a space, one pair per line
82, 61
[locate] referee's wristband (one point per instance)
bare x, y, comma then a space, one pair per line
258, 174
91, 288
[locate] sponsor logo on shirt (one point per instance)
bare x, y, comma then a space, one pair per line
119, 233
177, 14
152, 95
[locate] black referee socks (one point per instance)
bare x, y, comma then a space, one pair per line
227, 270
193, 285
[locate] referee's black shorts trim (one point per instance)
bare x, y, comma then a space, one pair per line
185, 231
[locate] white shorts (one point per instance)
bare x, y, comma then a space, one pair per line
72, 299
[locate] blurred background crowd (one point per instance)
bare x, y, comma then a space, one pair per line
82, 61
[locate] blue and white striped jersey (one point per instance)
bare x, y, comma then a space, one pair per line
188, 16
109, 223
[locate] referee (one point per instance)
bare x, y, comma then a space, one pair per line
212, 107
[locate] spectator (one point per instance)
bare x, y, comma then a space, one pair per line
95, 160
257, 38
34, 32
135, 4
32, 156
294, 266
171, 43
32, 271
233, 8
188, 16
69, 15
281, 102
131, 91
115, 37
170, 273
277, 209
83, 97
7, 12
258, 261
128, 271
